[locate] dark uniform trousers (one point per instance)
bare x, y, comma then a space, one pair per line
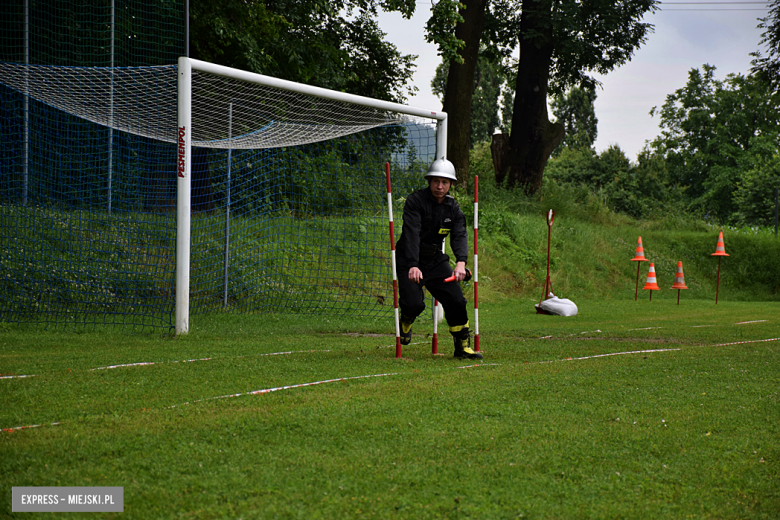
449, 294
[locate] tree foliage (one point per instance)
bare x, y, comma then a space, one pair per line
769, 66
331, 44
714, 131
754, 196
440, 29
575, 110
592, 36
640, 189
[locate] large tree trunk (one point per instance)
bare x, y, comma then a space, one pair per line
533, 137
499, 146
460, 87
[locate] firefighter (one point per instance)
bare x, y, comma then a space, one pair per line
430, 215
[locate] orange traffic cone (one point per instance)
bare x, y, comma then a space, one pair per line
720, 251
651, 284
640, 252
639, 257
679, 281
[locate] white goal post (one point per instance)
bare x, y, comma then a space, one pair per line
260, 128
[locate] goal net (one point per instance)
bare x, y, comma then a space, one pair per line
139, 196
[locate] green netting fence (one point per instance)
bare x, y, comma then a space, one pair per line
88, 184
88, 223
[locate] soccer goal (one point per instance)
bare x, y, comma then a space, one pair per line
139, 196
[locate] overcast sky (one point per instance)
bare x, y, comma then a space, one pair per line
686, 36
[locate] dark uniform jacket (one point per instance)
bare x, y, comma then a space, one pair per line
426, 224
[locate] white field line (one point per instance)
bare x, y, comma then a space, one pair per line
743, 342
481, 365
147, 363
291, 352
12, 377
650, 328
610, 354
586, 332
744, 322
288, 387
15, 428
254, 392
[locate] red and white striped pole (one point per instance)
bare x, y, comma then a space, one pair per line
476, 264
547, 281
392, 258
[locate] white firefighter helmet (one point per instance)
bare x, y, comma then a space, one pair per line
442, 168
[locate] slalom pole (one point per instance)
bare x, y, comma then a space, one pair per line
638, 257
547, 282
476, 264
636, 291
717, 285
720, 252
392, 258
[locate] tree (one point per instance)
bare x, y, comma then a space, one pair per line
488, 80
461, 50
769, 66
710, 129
576, 112
560, 41
754, 195
336, 44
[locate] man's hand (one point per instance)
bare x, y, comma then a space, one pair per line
415, 275
460, 271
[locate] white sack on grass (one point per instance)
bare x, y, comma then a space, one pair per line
559, 306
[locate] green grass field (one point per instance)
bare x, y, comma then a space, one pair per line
682, 420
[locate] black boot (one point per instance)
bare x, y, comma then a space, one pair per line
406, 330
463, 345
